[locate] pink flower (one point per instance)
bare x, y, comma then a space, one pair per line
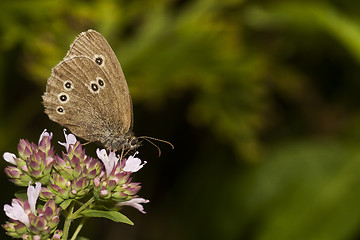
133, 164
45, 134
70, 140
17, 212
33, 194
109, 161
136, 203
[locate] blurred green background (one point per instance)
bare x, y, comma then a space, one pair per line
260, 98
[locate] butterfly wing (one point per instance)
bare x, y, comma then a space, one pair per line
80, 96
93, 45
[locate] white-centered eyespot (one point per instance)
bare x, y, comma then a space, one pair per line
100, 82
94, 87
99, 60
68, 85
60, 110
63, 97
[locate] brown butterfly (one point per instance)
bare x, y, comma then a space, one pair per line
87, 93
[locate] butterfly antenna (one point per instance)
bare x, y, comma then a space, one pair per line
159, 140
156, 139
153, 145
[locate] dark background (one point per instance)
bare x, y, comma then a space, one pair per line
260, 98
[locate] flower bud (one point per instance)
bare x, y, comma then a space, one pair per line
35, 161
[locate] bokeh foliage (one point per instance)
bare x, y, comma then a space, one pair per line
260, 99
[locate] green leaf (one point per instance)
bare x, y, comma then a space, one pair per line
21, 194
66, 203
112, 215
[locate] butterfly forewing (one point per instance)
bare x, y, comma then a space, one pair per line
87, 93
93, 45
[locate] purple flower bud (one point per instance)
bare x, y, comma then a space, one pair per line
104, 192
59, 181
78, 151
46, 194
120, 196
132, 189
123, 177
111, 184
81, 184
57, 235
36, 174
44, 141
36, 237
59, 161
15, 229
13, 172
75, 161
48, 213
24, 149
77, 171
64, 194
37, 223
54, 221
92, 174
34, 165
97, 182
24, 168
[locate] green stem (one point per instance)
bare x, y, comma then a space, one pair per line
73, 215
85, 205
81, 224
68, 222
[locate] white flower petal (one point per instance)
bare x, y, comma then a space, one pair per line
113, 158
109, 161
9, 157
33, 194
135, 203
133, 164
16, 212
70, 139
101, 154
43, 134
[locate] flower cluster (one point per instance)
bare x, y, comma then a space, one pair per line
59, 180
115, 183
74, 173
29, 222
34, 162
